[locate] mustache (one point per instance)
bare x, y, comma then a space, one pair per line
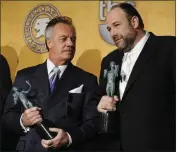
70, 48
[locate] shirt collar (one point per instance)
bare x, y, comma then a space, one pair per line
50, 67
139, 46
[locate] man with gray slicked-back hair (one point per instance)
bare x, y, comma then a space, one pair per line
61, 94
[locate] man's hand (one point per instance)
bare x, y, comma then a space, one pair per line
107, 104
60, 140
31, 116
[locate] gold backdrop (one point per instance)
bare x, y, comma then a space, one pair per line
158, 16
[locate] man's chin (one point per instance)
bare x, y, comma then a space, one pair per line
119, 44
69, 57
120, 47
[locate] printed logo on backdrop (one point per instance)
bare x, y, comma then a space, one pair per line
35, 24
104, 7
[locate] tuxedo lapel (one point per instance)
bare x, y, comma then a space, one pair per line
40, 83
140, 63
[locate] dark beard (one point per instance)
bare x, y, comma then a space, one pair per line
129, 44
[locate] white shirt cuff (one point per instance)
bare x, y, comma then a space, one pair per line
26, 129
70, 139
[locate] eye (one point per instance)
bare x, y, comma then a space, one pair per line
116, 25
109, 29
63, 39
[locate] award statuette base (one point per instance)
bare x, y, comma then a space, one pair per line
43, 130
109, 123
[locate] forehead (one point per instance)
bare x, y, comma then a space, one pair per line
117, 14
62, 28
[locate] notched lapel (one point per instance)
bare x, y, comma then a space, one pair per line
140, 63
40, 83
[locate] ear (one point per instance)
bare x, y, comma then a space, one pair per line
49, 44
135, 22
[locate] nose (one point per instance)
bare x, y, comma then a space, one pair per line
70, 42
113, 32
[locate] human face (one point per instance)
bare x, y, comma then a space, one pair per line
121, 29
62, 44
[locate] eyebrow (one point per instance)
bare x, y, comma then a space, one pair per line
66, 36
63, 36
115, 22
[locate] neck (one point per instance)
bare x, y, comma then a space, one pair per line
140, 35
58, 62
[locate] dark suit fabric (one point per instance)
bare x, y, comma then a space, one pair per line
146, 113
5, 81
75, 113
5, 87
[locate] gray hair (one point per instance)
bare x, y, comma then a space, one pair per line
52, 23
48, 33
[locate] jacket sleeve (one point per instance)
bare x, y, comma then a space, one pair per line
12, 112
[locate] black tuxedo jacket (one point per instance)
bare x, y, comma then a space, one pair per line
75, 113
5, 86
5, 82
146, 113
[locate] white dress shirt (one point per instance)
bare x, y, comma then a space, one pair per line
128, 62
50, 67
